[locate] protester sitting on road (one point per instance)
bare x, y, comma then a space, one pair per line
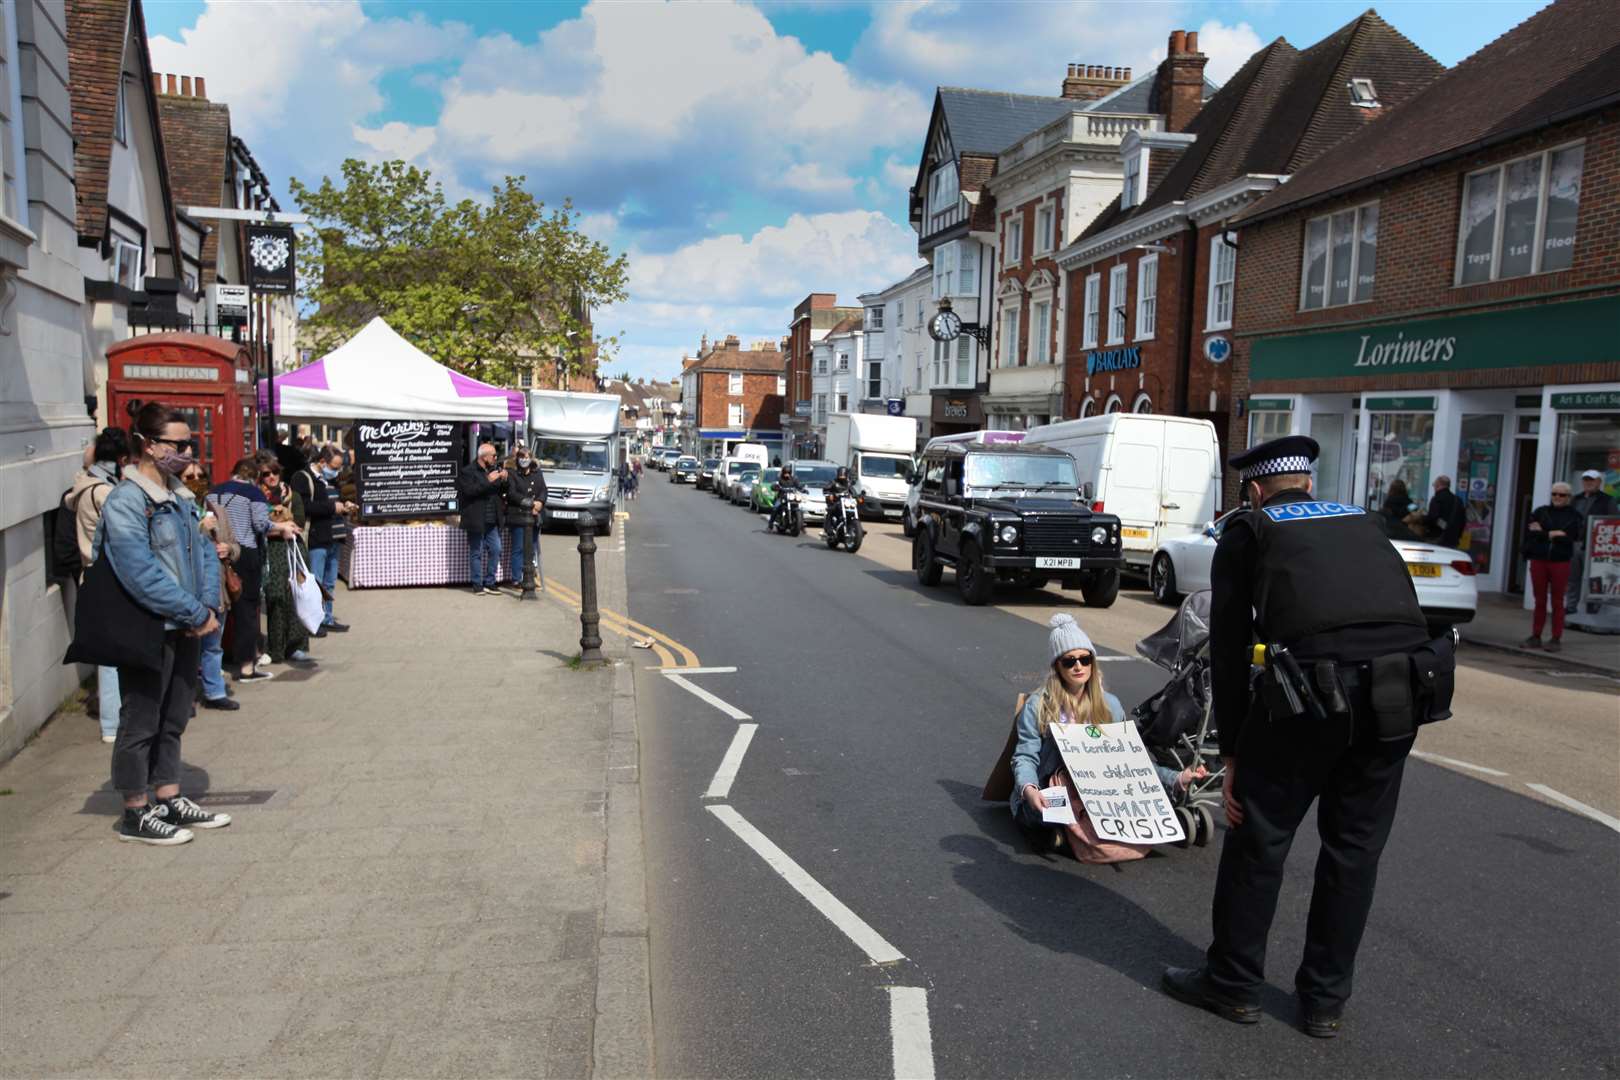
525, 499
324, 510
286, 638
1549, 545
244, 503
480, 487
1072, 694
89, 492
150, 538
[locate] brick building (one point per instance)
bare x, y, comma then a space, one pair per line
1148, 287
731, 395
1440, 294
813, 318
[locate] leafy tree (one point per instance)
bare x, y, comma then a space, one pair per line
487, 288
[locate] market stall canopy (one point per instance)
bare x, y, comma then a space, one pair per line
378, 375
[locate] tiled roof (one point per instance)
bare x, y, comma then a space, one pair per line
847, 323
1285, 107
768, 360
989, 121
1561, 62
95, 36
197, 138
1140, 97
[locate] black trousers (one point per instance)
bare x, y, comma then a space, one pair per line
244, 646
1282, 766
155, 710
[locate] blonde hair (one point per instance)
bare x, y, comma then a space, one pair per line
1087, 707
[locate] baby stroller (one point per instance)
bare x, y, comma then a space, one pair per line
1175, 722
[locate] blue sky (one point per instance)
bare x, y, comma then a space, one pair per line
743, 154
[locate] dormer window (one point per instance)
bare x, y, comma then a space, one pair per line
1135, 170
1362, 94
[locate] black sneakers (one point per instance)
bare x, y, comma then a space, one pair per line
150, 825
184, 812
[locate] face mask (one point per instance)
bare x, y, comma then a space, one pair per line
328, 474
198, 486
176, 463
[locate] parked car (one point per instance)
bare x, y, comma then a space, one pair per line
705, 473
1443, 577
762, 492
731, 469
666, 458
814, 476
741, 491
990, 437
685, 468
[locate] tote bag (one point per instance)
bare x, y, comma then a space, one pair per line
306, 591
109, 628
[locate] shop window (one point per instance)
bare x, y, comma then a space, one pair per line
1116, 305
1589, 441
1222, 272
1341, 258
1518, 218
1479, 463
1328, 431
1268, 424
1088, 335
1398, 456
1147, 296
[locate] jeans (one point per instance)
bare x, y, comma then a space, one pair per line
484, 557
107, 699
213, 660
323, 563
1550, 580
520, 552
157, 707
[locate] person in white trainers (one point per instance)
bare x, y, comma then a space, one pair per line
150, 538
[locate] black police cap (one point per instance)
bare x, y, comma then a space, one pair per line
1289, 454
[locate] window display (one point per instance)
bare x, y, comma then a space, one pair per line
1398, 453
1589, 441
1479, 460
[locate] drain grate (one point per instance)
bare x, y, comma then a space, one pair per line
235, 798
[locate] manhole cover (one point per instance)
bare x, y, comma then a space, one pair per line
235, 798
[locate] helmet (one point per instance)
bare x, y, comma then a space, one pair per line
843, 473
787, 470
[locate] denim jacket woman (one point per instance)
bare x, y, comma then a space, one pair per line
150, 534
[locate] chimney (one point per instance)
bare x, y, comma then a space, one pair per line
172, 89
1181, 80
157, 83
202, 90
1088, 82
185, 86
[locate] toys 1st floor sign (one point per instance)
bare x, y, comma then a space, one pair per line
1578, 332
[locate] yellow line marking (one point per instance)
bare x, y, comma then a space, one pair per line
627, 627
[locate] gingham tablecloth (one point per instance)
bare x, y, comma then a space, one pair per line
380, 556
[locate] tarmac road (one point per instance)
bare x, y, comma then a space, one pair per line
881, 707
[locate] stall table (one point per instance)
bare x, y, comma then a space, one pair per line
382, 556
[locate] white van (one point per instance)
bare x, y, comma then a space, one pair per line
1160, 474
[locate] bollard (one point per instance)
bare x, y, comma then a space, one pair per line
590, 640
533, 529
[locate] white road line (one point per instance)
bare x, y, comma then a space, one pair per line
705, 671
1457, 764
853, 926
1576, 805
908, 1030
720, 786
698, 691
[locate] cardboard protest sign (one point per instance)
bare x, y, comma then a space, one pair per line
1117, 783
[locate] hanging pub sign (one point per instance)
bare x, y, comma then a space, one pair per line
271, 264
407, 468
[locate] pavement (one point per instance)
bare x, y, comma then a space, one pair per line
434, 867
1502, 623
830, 896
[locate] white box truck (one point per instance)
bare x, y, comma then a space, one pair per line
878, 452
1161, 475
575, 440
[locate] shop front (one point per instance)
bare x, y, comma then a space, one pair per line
955, 414
1475, 398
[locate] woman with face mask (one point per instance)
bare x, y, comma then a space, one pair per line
525, 496
150, 538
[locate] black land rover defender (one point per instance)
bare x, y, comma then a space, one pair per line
1011, 513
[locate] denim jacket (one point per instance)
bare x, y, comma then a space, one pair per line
1036, 756
149, 534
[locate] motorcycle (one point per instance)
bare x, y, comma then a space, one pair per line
842, 525
786, 517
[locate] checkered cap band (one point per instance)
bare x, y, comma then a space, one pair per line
1293, 463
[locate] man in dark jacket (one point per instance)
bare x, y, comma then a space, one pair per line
1447, 515
324, 510
480, 487
525, 498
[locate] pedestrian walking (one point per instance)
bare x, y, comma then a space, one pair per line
1549, 545
244, 503
150, 538
481, 488
314, 485
86, 498
525, 500
1320, 585
1590, 502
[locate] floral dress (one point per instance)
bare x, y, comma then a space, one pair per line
284, 632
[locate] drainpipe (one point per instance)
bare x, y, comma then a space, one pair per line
1189, 307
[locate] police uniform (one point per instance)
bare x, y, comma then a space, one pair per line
1321, 580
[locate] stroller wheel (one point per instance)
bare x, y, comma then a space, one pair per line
1189, 826
1206, 825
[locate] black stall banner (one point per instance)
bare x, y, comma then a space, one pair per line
407, 468
272, 267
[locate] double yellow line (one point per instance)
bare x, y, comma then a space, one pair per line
671, 653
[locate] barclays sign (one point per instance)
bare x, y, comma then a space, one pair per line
1113, 360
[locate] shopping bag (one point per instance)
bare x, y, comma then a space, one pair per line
110, 628
306, 591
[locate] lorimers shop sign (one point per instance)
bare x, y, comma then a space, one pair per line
407, 468
1575, 332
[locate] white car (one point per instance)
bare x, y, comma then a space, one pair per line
1443, 577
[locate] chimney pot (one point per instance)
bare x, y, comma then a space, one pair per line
202, 91
1127, 75
172, 88
185, 86
1178, 42
157, 83
1192, 41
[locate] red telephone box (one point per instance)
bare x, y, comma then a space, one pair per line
208, 379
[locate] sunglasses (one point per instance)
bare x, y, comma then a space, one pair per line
1075, 661
181, 445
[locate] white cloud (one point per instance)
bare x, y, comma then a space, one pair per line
1228, 47
396, 139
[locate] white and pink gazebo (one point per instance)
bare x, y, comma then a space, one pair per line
378, 375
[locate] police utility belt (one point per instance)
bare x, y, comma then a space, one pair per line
1403, 690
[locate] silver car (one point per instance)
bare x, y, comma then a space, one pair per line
814, 476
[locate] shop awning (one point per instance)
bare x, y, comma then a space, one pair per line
378, 375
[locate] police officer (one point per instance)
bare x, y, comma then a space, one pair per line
1334, 715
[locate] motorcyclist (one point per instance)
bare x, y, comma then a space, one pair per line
785, 482
841, 484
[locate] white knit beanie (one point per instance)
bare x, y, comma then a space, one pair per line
1067, 636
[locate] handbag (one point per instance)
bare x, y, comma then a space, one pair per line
306, 591
109, 628
231, 580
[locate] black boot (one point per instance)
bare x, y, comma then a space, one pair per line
1190, 986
